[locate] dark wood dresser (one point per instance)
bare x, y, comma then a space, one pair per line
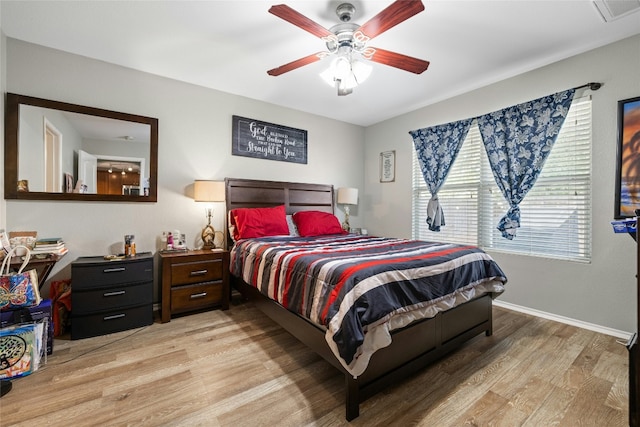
194, 280
111, 295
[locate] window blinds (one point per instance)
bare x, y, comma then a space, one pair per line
555, 214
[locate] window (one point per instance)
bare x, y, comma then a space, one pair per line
555, 214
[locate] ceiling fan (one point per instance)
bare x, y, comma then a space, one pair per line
348, 40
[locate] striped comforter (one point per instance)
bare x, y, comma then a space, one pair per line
360, 288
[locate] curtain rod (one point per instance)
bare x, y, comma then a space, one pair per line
592, 86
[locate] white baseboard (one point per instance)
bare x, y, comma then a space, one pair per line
566, 320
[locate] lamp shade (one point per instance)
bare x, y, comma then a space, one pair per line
347, 196
208, 191
350, 72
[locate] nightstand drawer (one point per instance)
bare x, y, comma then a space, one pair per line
111, 321
185, 273
193, 297
107, 299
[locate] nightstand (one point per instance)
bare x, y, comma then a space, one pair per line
193, 280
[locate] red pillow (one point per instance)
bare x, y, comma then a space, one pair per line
316, 223
259, 222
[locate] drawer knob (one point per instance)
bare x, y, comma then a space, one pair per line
115, 316
200, 295
113, 294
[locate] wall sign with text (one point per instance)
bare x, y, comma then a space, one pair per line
262, 140
388, 166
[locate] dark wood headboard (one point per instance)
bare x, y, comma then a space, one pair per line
295, 196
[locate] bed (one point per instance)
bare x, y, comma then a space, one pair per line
371, 351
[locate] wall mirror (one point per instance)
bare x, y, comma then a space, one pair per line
60, 151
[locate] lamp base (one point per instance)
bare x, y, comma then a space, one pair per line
345, 225
208, 237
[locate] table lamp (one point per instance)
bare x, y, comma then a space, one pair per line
347, 196
208, 191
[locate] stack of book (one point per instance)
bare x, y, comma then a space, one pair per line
52, 245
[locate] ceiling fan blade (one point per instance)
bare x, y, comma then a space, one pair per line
395, 13
397, 60
299, 20
297, 64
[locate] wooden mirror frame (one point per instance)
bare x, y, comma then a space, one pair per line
11, 152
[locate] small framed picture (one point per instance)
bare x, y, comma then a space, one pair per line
388, 166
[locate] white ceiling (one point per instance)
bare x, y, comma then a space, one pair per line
230, 45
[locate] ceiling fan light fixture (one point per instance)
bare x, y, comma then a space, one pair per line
342, 88
346, 73
348, 38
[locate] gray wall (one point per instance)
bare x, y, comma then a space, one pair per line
602, 292
194, 143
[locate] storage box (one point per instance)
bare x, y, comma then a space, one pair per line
624, 226
41, 311
22, 348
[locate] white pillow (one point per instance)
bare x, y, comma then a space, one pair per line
293, 230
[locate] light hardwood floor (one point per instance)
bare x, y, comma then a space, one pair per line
237, 368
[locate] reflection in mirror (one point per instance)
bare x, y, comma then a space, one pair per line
61, 142
70, 152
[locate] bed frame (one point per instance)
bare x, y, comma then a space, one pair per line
413, 347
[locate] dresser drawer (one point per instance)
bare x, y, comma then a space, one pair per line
112, 273
194, 297
85, 302
184, 273
92, 325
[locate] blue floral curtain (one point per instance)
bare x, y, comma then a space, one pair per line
518, 140
437, 148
